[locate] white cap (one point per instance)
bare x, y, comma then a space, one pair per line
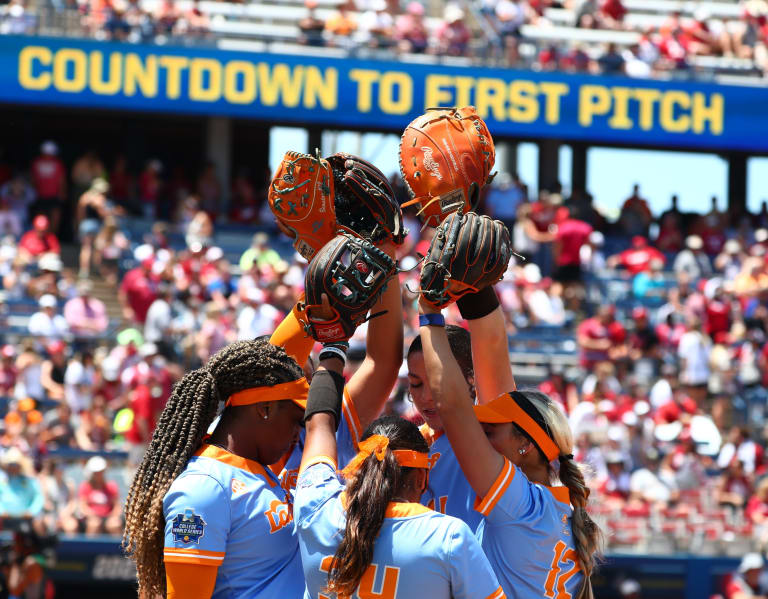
694, 242
50, 148
214, 253
761, 235
50, 262
148, 349
143, 252
629, 586
751, 561
596, 238
96, 464
254, 294
532, 273
453, 13
47, 301
732, 246
110, 369
642, 407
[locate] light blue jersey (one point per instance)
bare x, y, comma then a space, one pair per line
526, 534
347, 438
448, 490
418, 553
230, 512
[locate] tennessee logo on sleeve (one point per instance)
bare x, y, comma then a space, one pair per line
187, 527
238, 486
278, 515
433, 459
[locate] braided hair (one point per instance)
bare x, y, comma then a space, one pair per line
190, 410
587, 536
369, 492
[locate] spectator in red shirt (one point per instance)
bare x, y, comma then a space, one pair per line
757, 506
670, 237
637, 258
137, 292
571, 235
600, 337
99, 503
718, 313
49, 177
39, 240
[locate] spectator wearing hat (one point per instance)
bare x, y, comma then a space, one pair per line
78, 382
52, 371
650, 283
258, 317
92, 209
39, 240
49, 275
376, 25
138, 292
637, 258
410, 30
99, 500
311, 26
86, 315
20, 494
158, 327
692, 260
47, 324
745, 584
452, 34
730, 260
49, 177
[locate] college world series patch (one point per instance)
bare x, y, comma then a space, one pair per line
187, 527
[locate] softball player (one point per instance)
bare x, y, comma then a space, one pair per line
367, 389
374, 539
228, 525
510, 461
449, 492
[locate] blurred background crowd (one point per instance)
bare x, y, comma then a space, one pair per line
650, 329
631, 37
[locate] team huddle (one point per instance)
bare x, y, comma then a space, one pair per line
298, 488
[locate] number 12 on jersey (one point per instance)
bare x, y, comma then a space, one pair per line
560, 572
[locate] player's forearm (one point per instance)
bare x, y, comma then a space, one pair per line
490, 356
321, 423
290, 335
444, 377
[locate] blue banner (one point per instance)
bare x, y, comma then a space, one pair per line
379, 95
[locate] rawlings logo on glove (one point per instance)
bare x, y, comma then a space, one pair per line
446, 157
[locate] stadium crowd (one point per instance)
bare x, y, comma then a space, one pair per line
494, 30
657, 351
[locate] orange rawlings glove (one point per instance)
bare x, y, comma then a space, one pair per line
446, 157
301, 198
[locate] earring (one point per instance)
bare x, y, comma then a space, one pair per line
522, 452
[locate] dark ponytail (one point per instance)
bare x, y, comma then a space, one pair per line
368, 493
190, 410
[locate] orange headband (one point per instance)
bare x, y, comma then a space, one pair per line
296, 391
377, 445
530, 426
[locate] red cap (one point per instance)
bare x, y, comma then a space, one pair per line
40, 223
639, 241
147, 263
639, 312
55, 347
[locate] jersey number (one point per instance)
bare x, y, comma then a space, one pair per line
558, 576
441, 501
365, 588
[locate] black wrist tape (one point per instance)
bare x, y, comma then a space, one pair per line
325, 395
476, 305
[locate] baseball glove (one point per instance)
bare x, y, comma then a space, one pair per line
301, 198
446, 157
467, 253
353, 274
364, 200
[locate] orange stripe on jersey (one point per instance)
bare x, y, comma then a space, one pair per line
405, 510
220, 554
319, 459
190, 581
223, 456
497, 594
486, 505
350, 415
171, 555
